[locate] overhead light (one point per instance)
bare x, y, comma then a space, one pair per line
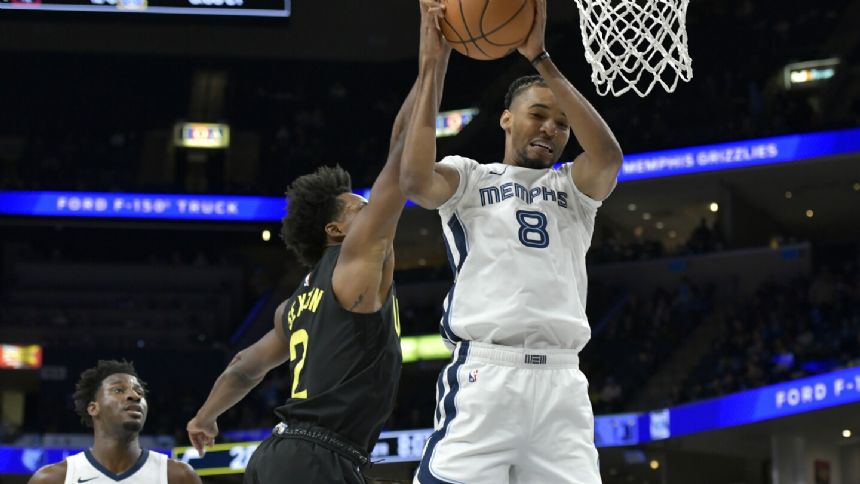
798, 74
632, 206
846, 433
266, 235
672, 234
788, 195
201, 135
659, 225
856, 186
714, 206
638, 231
646, 216
810, 213
654, 464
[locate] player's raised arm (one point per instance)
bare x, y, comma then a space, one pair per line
422, 180
365, 267
595, 170
244, 372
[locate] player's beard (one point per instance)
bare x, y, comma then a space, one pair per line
524, 161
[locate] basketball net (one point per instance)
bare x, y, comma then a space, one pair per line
635, 44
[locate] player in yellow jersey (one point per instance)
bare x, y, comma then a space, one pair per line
339, 331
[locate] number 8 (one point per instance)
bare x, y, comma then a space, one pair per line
533, 229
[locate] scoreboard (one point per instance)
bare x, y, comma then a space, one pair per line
253, 8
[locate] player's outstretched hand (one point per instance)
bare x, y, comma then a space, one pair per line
201, 434
534, 43
433, 45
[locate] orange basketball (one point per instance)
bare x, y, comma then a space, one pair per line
487, 29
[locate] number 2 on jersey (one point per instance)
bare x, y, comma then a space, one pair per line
533, 229
298, 337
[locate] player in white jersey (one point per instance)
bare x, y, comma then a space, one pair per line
513, 405
111, 399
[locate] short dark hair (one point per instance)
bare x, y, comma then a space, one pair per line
312, 204
91, 380
521, 84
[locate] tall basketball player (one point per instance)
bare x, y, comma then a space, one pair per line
513, 405
111, 399
339, 330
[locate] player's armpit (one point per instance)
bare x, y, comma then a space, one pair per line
181, 473
595, 178
357, 282
50, 474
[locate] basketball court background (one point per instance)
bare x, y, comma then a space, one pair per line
725, 262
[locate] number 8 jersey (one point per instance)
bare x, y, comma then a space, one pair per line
516, 240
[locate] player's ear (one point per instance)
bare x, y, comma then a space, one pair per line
505, 120
93, 408
334, 231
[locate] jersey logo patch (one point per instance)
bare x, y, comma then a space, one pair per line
307, 280
80, 479
535, 359
473, 376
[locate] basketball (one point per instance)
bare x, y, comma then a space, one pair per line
487, 29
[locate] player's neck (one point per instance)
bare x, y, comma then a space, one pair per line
116, 452
510, 155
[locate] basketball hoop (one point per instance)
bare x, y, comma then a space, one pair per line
635, 44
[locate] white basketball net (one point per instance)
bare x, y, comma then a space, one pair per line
635, 44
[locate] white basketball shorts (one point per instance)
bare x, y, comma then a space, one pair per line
511, 415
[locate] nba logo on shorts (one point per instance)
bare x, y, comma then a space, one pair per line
473, 376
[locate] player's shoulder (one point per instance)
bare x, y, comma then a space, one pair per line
180, 473
50, 474
279, 311
156, 455
460, 161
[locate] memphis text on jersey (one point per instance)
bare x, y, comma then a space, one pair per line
495, 194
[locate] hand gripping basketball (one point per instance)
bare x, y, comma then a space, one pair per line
535, 44
432, 46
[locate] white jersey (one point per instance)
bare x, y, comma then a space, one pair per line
150, 468
516, 240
